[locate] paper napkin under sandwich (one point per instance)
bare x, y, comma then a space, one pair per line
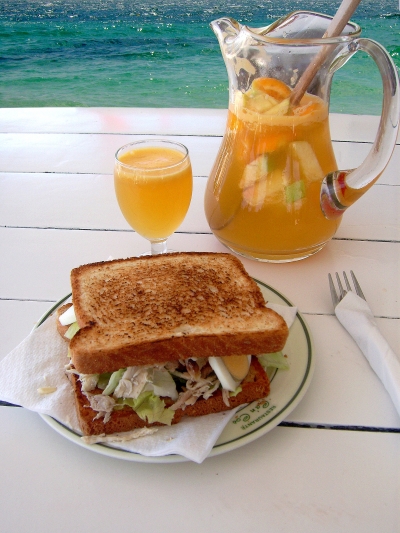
39, 361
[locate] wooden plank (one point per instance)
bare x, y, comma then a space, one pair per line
138, 121
85, 154
94, 154
345, 389
77, 201
161, 121
87, 201
319, 480
36, 265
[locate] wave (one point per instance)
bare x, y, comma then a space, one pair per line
390, 16
163, 10
144, 52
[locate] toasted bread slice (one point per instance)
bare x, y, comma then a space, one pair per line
254, 387
148, 310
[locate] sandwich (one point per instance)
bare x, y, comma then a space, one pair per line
158, 338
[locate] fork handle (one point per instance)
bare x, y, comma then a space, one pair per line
356, 316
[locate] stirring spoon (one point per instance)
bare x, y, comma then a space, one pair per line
335, 28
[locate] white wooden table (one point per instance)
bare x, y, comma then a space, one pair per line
334, 465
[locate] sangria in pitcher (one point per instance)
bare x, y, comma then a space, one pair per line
275, 192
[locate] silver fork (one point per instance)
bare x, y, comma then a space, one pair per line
359, 321
336, 297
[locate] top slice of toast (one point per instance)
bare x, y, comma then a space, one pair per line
154, 309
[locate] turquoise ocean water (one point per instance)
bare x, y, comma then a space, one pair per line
158, 53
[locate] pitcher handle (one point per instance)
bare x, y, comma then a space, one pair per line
340, 189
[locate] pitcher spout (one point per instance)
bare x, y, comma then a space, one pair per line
225, 27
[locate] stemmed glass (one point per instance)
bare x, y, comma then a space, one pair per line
153, 184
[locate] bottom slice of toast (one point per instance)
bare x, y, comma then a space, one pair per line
254, 387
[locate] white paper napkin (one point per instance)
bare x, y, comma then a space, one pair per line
355, 315
287, 313
39, 362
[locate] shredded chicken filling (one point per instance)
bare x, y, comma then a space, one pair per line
201, 382
132, 382
192, 379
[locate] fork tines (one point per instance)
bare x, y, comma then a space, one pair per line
359, 292
335, 298
342, 292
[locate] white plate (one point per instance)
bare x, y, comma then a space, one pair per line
252, 421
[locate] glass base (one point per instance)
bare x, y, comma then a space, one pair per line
275, 257
159, 253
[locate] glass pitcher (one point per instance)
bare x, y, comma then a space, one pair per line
275, 192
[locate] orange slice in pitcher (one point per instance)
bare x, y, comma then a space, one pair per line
275, 88
264, 144
306, 109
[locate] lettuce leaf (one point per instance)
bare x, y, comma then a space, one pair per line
162, 384
72, 330
149, 408
103, 380
113, 381
274, 360
236, 391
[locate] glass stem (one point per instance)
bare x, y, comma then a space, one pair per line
159, 247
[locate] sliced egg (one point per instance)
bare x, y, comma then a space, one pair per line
228, 380
238, 365
68, 317
223, 373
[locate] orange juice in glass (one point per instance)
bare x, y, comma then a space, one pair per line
153, 185
262, 198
